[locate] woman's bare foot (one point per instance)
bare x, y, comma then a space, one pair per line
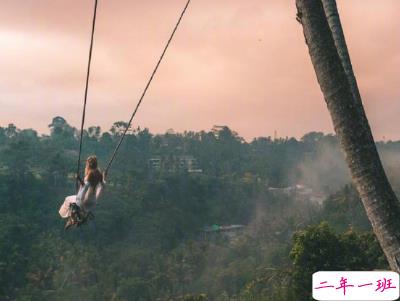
68, 224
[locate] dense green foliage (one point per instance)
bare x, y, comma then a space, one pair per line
318, 248
147, 242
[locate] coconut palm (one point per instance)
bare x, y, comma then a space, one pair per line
351, 124
332, 15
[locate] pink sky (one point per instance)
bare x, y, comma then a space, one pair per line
233, 62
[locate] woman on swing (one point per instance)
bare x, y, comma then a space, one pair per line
77, 208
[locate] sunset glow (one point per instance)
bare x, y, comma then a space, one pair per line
239, 63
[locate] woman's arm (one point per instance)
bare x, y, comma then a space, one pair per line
78, 177
100, 187
99, 190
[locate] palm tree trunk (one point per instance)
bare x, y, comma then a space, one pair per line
332, 15
353, 131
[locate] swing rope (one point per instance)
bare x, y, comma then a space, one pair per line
86, 91
146, 88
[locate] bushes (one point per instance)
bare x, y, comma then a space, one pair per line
318, 248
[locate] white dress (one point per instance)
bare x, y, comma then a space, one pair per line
86, 199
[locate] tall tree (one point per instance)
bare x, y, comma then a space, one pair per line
352, 129
332, 15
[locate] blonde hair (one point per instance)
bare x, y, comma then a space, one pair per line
92, 173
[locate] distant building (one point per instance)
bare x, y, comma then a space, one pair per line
155, 163
300, 192
217, 129
172, 163
190, 164
228, 232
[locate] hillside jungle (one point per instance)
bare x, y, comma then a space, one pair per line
185, 216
